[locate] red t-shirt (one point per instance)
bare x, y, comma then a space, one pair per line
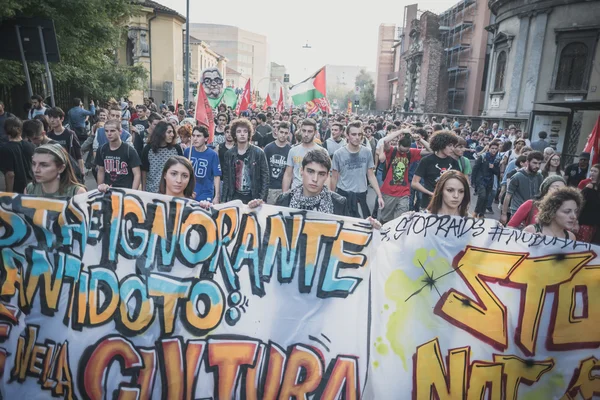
584, 183
396, 182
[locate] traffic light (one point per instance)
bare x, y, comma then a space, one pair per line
286, 78
356, 103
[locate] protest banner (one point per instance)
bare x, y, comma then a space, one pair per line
464, 308
133, 295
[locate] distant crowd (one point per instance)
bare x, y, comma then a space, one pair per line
327, 162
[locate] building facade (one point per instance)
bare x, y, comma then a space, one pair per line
155, 41
276, 81
543, 65
344, 75
246, 52
384, 66
465, 41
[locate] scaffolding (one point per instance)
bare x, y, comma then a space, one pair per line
456, 28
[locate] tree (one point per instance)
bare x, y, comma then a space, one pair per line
367, 89
88, 34
341, 94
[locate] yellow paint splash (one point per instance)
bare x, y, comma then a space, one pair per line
375, 364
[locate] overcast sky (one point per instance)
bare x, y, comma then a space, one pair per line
340, 32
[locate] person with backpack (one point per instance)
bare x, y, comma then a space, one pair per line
76, 117
397, 162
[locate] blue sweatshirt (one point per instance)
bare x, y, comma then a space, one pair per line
76, 116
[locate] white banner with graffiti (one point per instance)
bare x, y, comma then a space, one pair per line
136, 296
466, 309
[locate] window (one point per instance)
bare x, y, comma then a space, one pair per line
572, 67
500, 72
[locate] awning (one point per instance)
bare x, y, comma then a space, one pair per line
579, 105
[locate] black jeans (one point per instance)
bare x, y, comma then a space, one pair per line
354, 201
483, 192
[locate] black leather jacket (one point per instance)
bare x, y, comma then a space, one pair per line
340, 205
259, 173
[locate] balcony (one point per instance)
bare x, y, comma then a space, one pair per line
458, 69
458, 48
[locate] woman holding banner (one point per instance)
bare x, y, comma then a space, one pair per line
557, 214
178, 180
451, 195
53, 173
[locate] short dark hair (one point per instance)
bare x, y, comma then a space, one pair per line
241, 122
202, 129
142, 106
37, 97
269, 115
76, 102
55, 112
543, 135
390, 127
339, 125
520, 160
442, 139
317, 156
535, 155
284, 125
437, 127
262, 117
355, 124
13, 127
309, 122
153, 117
496, 142
32, 128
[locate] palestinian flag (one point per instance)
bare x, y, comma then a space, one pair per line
310, 89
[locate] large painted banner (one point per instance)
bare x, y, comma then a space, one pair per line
467, 309
130, 295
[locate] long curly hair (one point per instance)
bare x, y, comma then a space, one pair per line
550, 204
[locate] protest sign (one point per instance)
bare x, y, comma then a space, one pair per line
466, 309
135, 295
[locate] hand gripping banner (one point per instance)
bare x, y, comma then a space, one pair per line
132, 295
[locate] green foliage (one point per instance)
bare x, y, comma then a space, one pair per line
367, 90
88, 34
342, 95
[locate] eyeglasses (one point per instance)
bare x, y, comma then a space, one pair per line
211, 81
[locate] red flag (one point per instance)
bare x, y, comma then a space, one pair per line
268, 102
593, 144
176, 105
280, 101
204, 114
246, 98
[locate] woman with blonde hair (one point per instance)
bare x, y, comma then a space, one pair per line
53, 174
558, 214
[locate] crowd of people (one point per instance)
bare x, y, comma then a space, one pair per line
324, 162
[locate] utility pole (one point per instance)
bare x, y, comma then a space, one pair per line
186, 90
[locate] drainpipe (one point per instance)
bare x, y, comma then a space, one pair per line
150, 51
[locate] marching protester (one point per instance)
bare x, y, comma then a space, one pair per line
219, 136
263, 132
292, 177
4, 115
526, 214
206, 167
63, 136
352, 168
52, 173
162, 145
100, 139
432, 167
485, 171
184, 132
464, 164
524, 185
541, 144
177, 178
577, 172
245, 170
451, 195
397, 161
277, 155
118, 163
589, 218
557, 214
226, 145
593, 179
313, 194
77, 116
15, 157
37, 106
552, 166
336, 140
139, 128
